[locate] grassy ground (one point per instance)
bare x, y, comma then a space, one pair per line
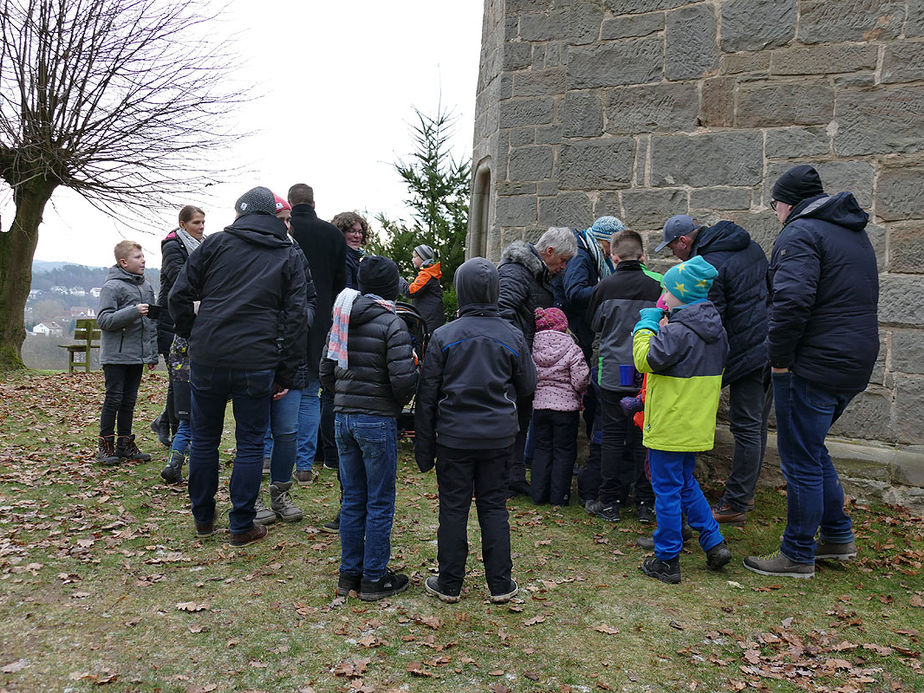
102, 583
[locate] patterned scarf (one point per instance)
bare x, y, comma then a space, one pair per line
604, 268
340, 328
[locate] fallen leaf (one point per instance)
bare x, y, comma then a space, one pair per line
496, 672
13, 667
534, 620
192, 606
609, 630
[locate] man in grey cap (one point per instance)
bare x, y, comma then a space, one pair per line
739, 293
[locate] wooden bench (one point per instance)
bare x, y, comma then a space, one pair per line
85, 334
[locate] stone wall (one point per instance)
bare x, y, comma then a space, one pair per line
648, 108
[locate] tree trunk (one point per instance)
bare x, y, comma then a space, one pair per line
16, 250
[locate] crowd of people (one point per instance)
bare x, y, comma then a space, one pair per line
284, 315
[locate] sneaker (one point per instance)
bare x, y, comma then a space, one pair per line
264, 515
266, 464
348, 583
718, 556
332, 527
836, 552
387, 585
777, 565
505, 597
256, 533
609, 512
303, 476
725, 514
646, 514
432, 586
665, 571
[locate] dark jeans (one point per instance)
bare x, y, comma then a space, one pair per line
814, 495
170, 408
250, 393
589, 474
749, 400
622, 462
517, 465
122, 383
555, 433
326, 431
460, 475
368, 449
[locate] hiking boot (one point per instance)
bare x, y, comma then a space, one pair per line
665, 571
281, 503
504, 597
332, 527
264, 515
173, 472
646, 513
725, 514
387, 585
266, 464
777, 565
348, 583
304, 477
836, 552
126, 448
161, 428
432, 586
255, 533
105, 453
718, 556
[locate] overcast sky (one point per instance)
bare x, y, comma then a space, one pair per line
339, 81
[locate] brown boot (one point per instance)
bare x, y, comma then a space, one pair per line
106, 453
126, 448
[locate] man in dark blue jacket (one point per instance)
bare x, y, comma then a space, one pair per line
824, 340
740, 295
247, 341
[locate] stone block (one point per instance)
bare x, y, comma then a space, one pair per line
821, 60
505, 86
597, 165
850, 20
572, 209
642, 150
538, 58
517, 210
690, 46
718, 103
708, 159
649, 209
607, 205
553, 54
519, 112
616, 63
530, 163
880, 121
762, 226
539, 82
752, 25
521, 6
578, 23
517, 55
628, 26
908, 465
901, 300
836, 176
861, 80
797, 142
505, 188
581, 114
906, 422
548, 134
902, 62
651, 108
906, 247
868, 415
642, 6
520, 137
547, 187
914, 26
898, 193
907, 351
720, 198
878, 376
877, 237
762, 104
735, 63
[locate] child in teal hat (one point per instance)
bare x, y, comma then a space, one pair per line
683, 350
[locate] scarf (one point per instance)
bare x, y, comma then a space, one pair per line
187, 240
340, 328
589, 242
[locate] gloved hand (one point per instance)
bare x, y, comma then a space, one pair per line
630, 405
651, 317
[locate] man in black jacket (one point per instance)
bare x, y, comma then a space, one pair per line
246, 341
824, 340
326, 250
740, 295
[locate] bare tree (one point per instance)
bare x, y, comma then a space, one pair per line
111, 98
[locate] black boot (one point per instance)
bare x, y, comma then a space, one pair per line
665, 571
161, 426
106, 453
126, 449
173, 472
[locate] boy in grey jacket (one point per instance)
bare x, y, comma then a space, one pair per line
128, 341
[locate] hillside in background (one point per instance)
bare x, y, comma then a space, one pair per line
45, 275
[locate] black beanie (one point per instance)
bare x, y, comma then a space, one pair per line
378, 275
256, 200
797, 184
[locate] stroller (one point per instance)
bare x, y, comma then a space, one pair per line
420, 338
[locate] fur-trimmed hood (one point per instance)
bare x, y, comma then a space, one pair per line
523, 253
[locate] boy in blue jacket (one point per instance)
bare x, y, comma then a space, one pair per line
475, 370
684, 352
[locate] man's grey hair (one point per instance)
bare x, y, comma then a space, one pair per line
560, 239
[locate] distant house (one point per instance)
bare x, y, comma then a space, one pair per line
48, 328
82, 312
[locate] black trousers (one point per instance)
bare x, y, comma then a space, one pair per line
556, 450
517, 464
122, 383
622, 459
326, 429
462, 474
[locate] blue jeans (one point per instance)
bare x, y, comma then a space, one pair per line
676, 492
279, 442
368, 449
181, 438
309, 417
250, 393
814, 495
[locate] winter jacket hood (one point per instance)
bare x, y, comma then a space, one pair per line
476, 281
724, 236
260, 229
524, 286
523, 253
127, 337
841, 209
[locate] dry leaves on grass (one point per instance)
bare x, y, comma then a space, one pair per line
192, 606
609, 630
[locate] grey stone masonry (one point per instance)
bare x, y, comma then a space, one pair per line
647, 108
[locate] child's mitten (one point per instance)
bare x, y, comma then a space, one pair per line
651, 317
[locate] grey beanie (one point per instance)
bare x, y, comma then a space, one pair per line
257, 200
425, 253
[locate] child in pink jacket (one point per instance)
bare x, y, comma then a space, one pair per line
563, 377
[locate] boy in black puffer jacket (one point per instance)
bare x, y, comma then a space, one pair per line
369, 365
476, 369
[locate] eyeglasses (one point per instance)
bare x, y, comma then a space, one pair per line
773, 204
